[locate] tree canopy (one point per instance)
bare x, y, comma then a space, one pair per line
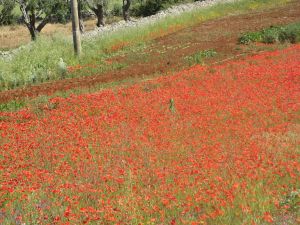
43, 11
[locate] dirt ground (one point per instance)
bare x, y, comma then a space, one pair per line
167, 54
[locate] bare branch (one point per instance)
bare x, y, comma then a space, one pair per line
43, 23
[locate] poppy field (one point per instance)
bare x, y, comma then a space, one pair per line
208, 145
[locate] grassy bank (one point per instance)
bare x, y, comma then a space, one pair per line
40, 62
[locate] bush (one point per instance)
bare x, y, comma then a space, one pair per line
116, 10
248, 38
273, 34
151, 7
198, 57
290, 34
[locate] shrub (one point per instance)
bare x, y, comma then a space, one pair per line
273, 34
116, 9
198, 57
151, 7
290, 33
249, 37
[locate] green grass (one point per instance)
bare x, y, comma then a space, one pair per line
274, 34
12, 105
198, 57
39, 61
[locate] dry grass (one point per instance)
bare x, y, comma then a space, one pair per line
17, 35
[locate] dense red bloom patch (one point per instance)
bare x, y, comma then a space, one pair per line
191, 148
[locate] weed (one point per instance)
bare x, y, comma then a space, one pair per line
271, 35
292, 201
198, 57
172, 106
291, 34
12, 106
249, 37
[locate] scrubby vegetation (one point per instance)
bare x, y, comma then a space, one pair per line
198, 57
273, 34
150, 7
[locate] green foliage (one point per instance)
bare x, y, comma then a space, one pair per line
56, 10
6, 12
36, 63
289, 33
249, 37
11, 106
116, 9
61, 12
151, 7
198, 57
271, 35
172, 106
95, 3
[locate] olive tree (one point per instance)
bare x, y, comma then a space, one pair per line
98, 7
37, 13
126, 6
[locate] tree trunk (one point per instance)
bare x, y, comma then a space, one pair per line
126, 7
100, 15
33, 32
31, 26
81, 24
29, 17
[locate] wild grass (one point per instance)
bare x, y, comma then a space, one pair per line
198, 57
38, 62
16, 35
